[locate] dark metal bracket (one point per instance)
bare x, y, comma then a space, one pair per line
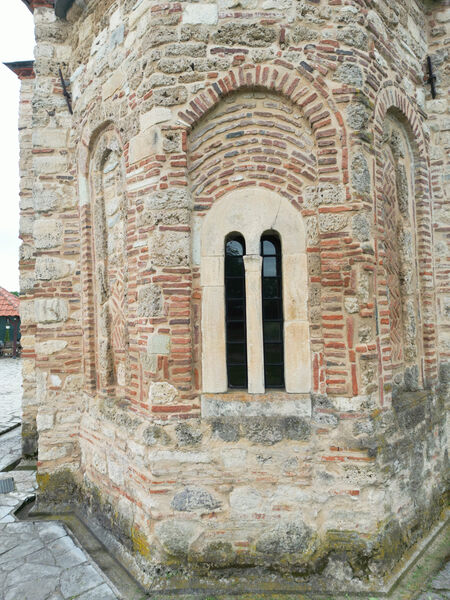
66, 93
431, 78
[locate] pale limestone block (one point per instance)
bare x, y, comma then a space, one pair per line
295, 287
297, 359
351, 304
158, 114
53, 452
138, 11
116, 470
49, 267
99, 42
51, 310
49, 347
213, 407
26, 225
27, 341
179, 457
158, 344
99, 462
200, 14
213, 331
49, 165
255, 346
44, 421
26, 283
113, 84
246, 500
234, 457
142, 146
28, 371
83, 191
55, 380
161, 393
212, 272
49, 138
47, 233
27, 312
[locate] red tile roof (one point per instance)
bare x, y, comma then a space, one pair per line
9, 304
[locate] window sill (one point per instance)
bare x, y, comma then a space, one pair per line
273, 403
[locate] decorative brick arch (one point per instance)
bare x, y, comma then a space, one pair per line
313, 103
294, 83
97, 146
393, 103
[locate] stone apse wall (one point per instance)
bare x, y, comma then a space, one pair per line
191, 121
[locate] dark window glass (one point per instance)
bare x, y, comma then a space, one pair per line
272, 302
235, 312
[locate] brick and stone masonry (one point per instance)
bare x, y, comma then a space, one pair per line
192, 120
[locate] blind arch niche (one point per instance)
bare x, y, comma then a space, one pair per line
253, 211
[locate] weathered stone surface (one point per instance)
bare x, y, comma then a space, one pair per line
150, 301
194, 498
47, 233
351, 74
360, 174
188, 434
176, 536
53, 310
286, 538
162, 393
48, 268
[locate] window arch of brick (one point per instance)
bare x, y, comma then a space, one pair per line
252, 212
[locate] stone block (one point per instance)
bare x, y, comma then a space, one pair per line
49, 267
162, 393
150, 301
49, 165
176, 536
142, 146
113, 84
200, 14
194, 498
158, 114
158, 344
360, 174
47, 233
51, 310
50, 138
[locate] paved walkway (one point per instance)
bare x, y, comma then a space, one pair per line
40, 561
10, 392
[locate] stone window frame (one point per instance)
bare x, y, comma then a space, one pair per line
252, 211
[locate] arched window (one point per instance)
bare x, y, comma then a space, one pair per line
254, 338
272, 311
235, 312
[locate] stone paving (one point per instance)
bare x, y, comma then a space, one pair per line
438, 588
40, 561
10, 393
10, 448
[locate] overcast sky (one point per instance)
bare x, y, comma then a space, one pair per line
16, 43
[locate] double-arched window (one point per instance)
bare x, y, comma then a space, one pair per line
255, 329
236, 309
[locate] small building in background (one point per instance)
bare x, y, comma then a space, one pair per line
9, 323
